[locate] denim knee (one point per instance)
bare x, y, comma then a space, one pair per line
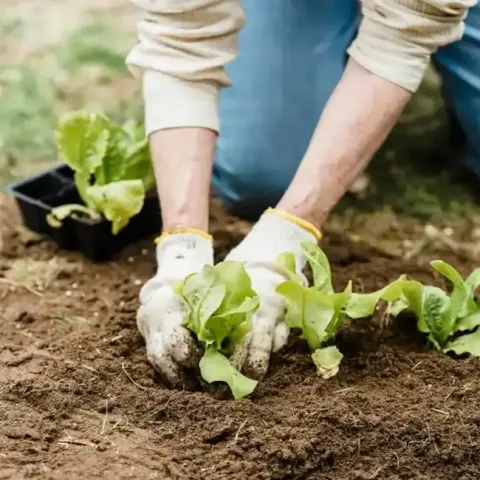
292, 55
251, 179
459, 67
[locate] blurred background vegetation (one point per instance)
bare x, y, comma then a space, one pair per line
60, 56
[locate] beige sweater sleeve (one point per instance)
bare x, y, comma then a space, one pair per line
185, 44
397, 37
182, 50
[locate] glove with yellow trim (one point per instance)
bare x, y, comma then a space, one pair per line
275, 233
161, 315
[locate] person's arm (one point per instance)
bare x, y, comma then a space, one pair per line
182, 50
182, 160
388, 61
358, 116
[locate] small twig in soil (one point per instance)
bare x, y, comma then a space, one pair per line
343, 390
398, 460
441, 411
449, 394
235, 440
131, 379
375, 473
11, 283
72, 441
417, 364
90, 369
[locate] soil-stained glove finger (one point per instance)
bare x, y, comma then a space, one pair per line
263, 327
178, 342
171, 373
280, 337
166, 313
240, 351
180, 345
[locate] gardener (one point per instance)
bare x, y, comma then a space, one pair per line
299, 124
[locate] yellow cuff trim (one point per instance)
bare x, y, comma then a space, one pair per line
298, 221
175, 231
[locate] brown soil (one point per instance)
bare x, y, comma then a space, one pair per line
79, 400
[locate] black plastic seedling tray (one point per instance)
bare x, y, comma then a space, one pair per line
37, 196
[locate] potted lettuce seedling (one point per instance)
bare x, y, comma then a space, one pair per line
112, 168
102, 198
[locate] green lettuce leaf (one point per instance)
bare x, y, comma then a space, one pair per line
362, 305
220, 327
82, 141
432, 307
309, 310
118, 201
470, 322
58, 214
237, 284
395, 308
82, 182
322, 275
339, 302
436, 315
459, 305
203, 293
469, 343
221, 302
473, 282
221, 299
327, 360
215, 367
127, 157
285, 262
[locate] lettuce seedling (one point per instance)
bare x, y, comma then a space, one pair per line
112, 168
220, 303
318, 311
450, 321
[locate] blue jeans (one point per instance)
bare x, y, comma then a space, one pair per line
292, 54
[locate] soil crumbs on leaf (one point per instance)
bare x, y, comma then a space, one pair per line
79, 400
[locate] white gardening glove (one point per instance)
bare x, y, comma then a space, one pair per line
161, 316
275, 233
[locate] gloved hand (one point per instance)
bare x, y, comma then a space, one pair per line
275, 233
161, 315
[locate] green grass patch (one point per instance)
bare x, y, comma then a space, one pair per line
96, 43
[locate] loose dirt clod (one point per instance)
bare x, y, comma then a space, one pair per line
79, 400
